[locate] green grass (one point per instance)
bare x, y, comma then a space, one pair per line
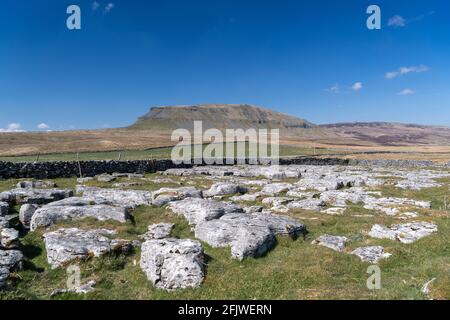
154, 153
294, 269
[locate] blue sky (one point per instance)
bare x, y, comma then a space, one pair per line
313, 59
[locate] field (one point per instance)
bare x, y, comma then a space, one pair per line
152, 153
294, 269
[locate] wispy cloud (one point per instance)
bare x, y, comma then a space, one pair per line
397, 21
43, 126
95, 6
357, 86
109, 7
406, 92
406, 70
12, 127
333, 89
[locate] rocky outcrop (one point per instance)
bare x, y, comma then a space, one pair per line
172, 264
405, 233
10, 260
65, 245
9, 238
123, 198
36, 184
225, 189
371, 254
197, 210
49, 215
34, 196
336, 243
163, 196
248, 235
4, 208
158, 231
26, 212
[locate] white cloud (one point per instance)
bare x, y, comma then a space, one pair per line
357, 86
333, 89
95, 6
12, 127
109, 7
405, 70
43, 126
406, 92
397, 21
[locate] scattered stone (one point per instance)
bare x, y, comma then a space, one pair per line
253, 209
224, 189
275, 188
35, 196
406, 233
172, 264
9, 238
49, 215
10, 260
65, 245
124, 198
335, 211
82, 289
4, 222
4, 208
197, 210
371, 254
163, 196
26, 212
158, 231
307, 204
84, 180
245, 197
125, 184
106, 178
248, 235
336, 243
36, 184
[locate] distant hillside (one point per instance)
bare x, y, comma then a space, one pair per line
218, 116
390, 133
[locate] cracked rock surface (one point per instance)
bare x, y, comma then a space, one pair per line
65, 245
405, 233
172, 264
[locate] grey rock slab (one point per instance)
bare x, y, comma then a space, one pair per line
275, 188
372, 254
47, 216
307, 204
124, 198
4, 208
406, 233
65, 245
82, 289
26, 212
224, 189
10, 260
336, 243
163, 196
36, 184
84, 180
248, 235
36, 196
172, 264
158, 231
197, 210
9, 238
